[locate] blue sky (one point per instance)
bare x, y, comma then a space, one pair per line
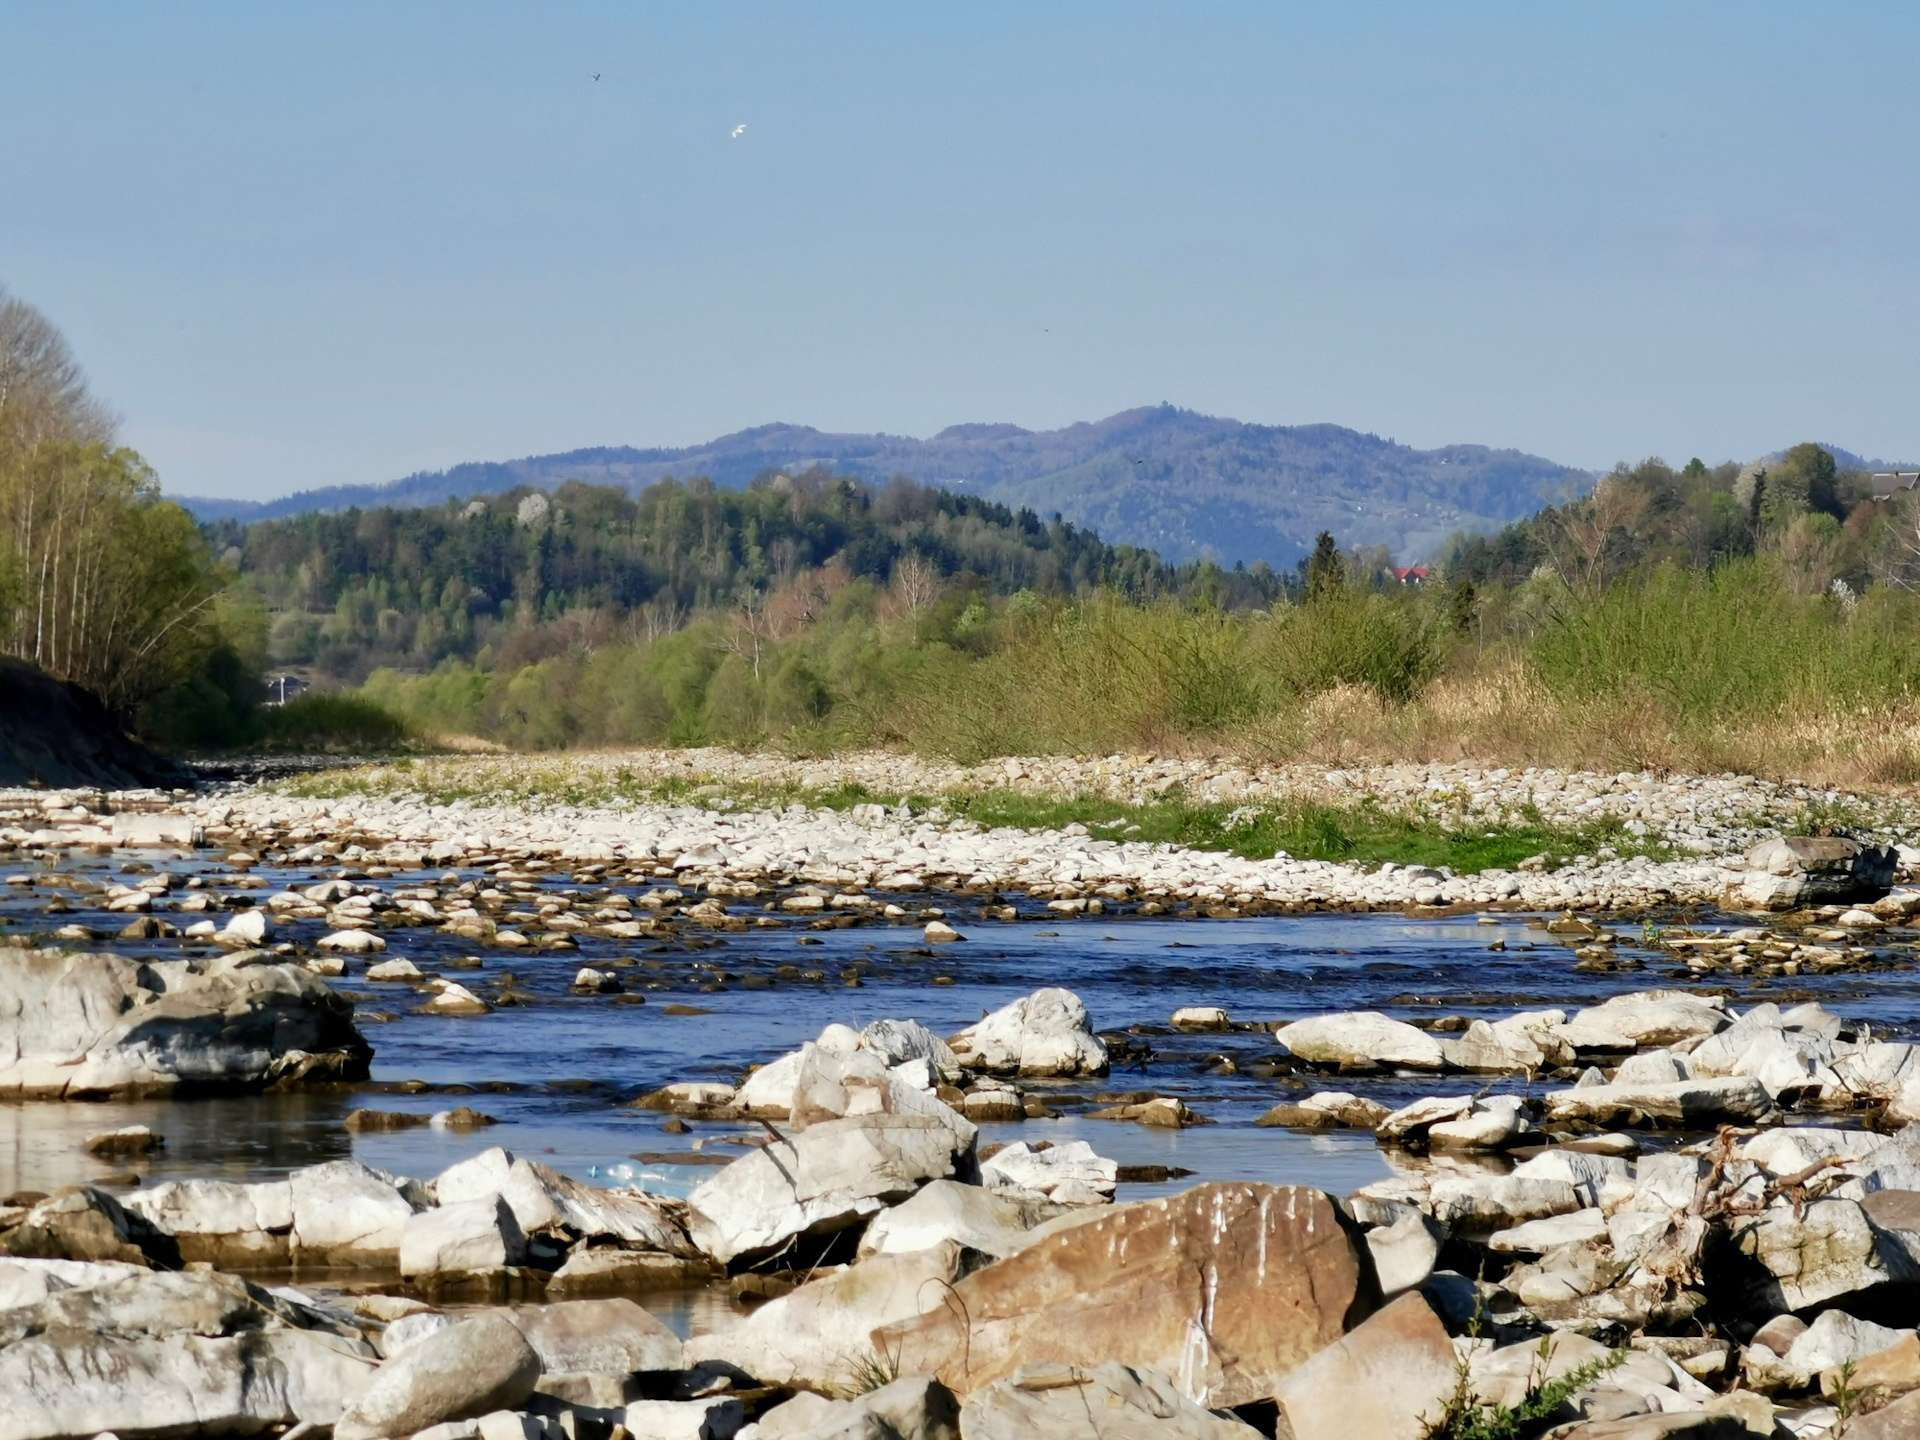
299, 246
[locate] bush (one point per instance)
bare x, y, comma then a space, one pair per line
332, 723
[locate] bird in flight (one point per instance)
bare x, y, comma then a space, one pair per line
596, 75
738, 131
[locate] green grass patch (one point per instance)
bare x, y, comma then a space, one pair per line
330, 723
1365, 834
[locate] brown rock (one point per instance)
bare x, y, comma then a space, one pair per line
363, 1121
1225, 1288
128, 1140
1388, 1380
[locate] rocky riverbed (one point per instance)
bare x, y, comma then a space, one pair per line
1670, 1149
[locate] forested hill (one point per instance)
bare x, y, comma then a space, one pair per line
510, 578
1162, 478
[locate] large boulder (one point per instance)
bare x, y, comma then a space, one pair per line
1045, 1033
68, 1382
1361, 1039
818, 1336
82, 1223
154, 1354
74, 1025
831, 1085
1791, 871
1225, 1288
1109, 1401
471, 1368
819, 1180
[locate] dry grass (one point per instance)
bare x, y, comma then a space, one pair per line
1507, 718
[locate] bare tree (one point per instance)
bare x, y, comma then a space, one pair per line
916, 583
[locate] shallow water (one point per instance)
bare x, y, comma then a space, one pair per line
558, 1070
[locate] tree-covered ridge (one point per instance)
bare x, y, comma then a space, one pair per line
1159, 477
511, 577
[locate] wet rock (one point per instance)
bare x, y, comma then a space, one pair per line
589, 981
1069, 1174
1201, 1019
1327, 1109
818, 1336
1802, 870
80, 1223
695, 1098
128, 1140
1164, 1112
938, 932
1363, 1038
361, 1122
1108, 1401
401, 969
818, 1180
468, 1369
466, 1238
1389, 1378
1696, 1104
365, 942
1227, 1288
454, 1000
73, 1025
1045, 1033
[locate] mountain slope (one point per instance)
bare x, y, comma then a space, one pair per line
1182, 483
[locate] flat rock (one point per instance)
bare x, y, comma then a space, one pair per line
1363, 1038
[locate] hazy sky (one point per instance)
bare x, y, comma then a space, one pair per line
299, 246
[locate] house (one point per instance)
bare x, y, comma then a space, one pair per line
1412, 575
1886, 483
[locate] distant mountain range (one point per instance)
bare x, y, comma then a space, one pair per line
1178, 482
